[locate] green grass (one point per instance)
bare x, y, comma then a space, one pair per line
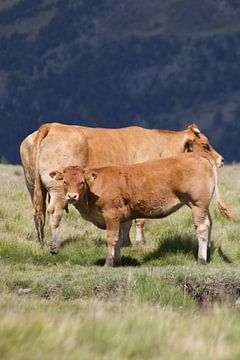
159, 305
84, 330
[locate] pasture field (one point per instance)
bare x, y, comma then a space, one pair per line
159, 305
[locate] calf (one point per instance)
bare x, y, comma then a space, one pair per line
110, 196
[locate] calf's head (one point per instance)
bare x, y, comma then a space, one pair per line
199, 142
75, 182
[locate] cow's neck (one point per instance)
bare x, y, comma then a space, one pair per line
171, 143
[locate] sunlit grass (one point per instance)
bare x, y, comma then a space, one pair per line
89, 329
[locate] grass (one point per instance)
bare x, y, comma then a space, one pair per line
93, 330
159, 305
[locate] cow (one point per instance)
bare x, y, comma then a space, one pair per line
55, 146
110, 196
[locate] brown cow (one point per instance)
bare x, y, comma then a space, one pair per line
55, 146
110, 196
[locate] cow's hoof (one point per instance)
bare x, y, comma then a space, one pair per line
127, 243
109, 262
118, 262
202, 262
140, 243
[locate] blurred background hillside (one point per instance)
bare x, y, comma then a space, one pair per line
159, 64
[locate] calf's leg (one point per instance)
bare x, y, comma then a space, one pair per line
203, 223
113, 243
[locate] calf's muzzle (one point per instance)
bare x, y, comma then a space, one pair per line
72, 197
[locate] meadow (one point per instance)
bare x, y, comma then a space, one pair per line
159, 305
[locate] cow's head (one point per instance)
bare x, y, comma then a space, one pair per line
196, 141
75, 182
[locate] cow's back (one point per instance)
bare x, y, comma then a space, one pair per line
123, 146
66, 145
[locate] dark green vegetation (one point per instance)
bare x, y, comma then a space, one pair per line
160, 304
160, 64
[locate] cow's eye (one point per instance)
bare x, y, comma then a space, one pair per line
206, 146
81, 182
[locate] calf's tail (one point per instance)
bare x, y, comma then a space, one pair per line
221, 207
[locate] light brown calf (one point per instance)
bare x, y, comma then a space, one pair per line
111, 196
55, 146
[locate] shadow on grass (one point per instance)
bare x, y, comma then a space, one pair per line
176, 244
173, 245
98, 242
70, 240
126, 261
225, 258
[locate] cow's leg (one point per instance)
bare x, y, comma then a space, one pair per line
202, 221
209, 238
55, 210
113, 243
125, 233
140, 239
39, 209
120, 242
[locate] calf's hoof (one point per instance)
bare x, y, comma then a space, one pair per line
202, 262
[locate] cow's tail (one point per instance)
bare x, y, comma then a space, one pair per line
39, 197
221, 207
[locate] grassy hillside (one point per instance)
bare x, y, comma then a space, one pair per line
160, 64
70, 306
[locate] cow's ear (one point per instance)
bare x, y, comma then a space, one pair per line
188, 146
194, 128
90, 177
56, 175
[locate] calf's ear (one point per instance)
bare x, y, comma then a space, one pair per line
90, 177
56, 175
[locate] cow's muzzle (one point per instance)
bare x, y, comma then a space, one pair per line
220, 161
71, 198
